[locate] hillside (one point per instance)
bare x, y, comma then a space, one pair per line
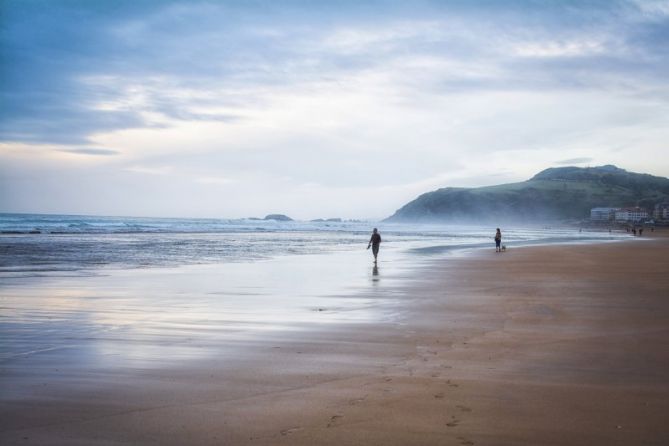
556, 193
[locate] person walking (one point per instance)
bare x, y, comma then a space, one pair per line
498, 241
374, 243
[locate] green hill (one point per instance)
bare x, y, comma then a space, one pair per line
554, 194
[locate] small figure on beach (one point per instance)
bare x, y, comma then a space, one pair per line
634, 231
374, 243
498, 240
640, 231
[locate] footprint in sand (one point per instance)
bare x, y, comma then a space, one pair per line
450, 384
290, 431
440, 395
464, 408
334, 420
454, 422
356, 401
465, 441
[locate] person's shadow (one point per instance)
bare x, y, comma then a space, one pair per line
375, 273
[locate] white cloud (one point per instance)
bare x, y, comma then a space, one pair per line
150, 170
573, 48
214, 180
653, 8
336, 111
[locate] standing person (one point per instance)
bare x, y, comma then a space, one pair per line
498, 241
374, 243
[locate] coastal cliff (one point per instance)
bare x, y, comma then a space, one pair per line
554, 194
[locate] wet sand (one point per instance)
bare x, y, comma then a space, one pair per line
555, 345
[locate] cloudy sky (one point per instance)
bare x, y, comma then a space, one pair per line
318, 109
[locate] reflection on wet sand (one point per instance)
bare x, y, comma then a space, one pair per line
141, 317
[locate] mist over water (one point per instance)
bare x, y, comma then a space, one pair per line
34, 244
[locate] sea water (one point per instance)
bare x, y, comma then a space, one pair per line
103, 292
36, 244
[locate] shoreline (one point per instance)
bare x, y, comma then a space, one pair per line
540, 345
93, 253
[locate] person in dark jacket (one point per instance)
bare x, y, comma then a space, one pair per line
374, 243
498, 241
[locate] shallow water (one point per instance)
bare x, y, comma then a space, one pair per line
146, 298
35, 244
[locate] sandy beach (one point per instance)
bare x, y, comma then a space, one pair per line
547, 345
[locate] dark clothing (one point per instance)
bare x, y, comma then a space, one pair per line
375, 242
498, 241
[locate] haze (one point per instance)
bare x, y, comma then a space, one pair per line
339, 109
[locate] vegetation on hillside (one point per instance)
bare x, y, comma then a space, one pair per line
556, 193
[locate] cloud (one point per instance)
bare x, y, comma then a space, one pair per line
91, 151
214, 180
654, 9
361, 98
572, 161
150, 170
145, 57
576, 48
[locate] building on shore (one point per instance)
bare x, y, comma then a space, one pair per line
661, 211
603, 214
631, 214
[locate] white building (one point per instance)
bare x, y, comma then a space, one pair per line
602, 214
661, 212
631, 214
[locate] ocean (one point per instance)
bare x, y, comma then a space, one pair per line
39, 244
124, 292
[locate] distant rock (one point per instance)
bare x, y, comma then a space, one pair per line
329, 220
278, 217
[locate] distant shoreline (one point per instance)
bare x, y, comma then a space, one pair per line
94, 244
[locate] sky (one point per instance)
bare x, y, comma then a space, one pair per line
318, 109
